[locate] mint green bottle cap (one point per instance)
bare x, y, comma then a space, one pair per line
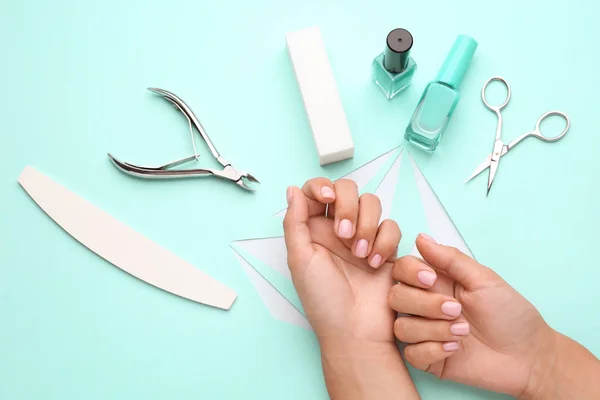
457, 61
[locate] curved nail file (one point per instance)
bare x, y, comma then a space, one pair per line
121, 245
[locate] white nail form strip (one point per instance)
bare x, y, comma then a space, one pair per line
440, 224
121, 245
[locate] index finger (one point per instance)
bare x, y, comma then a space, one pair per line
412, 271
319, 193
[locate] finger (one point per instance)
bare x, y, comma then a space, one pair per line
345, 208
386, 243
456, 264
369, 213
422, 355
417, 329
410, 300
413, 271
319, 192
297, 235
321, 229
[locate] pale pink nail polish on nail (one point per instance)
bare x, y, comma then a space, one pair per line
451, 308
375, 261
459, 329
345, 229
288, 195
428, 238
362, 246
327, 193
450, 346
427, 278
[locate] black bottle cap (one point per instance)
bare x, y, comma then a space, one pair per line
397, 50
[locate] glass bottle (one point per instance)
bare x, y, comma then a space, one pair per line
440, 97
393, 69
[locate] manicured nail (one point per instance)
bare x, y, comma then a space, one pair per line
459, 329
327, 192
289, 195
427, 278
451, 308
375, 261
450, 346
345, 229
428, 238
362, 246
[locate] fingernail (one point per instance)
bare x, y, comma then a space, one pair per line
362, 246
450, 346
375, 261
451, 308
288, 194
345, 229
459, 329
327, 192
427, 278
428, 238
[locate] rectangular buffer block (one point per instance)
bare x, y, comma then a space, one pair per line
330, 129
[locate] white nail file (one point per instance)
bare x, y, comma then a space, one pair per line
330, 129
121, 245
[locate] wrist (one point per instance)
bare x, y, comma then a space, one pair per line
571, 372
359, 369
543, 372
351, 348
359, 358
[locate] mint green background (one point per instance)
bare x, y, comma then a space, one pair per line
73, 79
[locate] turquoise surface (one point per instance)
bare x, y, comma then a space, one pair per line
74, 78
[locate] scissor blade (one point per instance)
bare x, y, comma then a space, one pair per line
485, 164
493, 169
482, 167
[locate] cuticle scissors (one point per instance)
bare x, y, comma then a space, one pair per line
165, 172
500, 149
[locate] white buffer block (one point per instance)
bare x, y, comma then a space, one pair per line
330, 129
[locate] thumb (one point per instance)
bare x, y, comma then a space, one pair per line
456, 264
297, 235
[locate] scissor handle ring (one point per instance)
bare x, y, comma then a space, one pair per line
538, 131
483, 89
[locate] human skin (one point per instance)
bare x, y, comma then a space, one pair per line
341, 268
461, 321
506, 345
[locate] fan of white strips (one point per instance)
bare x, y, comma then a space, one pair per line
272, 251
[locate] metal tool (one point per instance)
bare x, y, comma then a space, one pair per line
165, 172
500, 149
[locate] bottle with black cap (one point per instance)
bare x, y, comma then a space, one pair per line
393, 69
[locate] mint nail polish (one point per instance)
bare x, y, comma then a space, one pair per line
393, 69
440, 97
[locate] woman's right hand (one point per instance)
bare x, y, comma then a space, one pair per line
466, 324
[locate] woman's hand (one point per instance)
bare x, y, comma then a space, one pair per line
341, 268
466, 324
343, 296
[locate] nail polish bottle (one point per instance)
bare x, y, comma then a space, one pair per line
393, 69
440, 97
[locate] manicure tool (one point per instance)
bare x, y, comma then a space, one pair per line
165, 172
122, 246
500, 149
322, 103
